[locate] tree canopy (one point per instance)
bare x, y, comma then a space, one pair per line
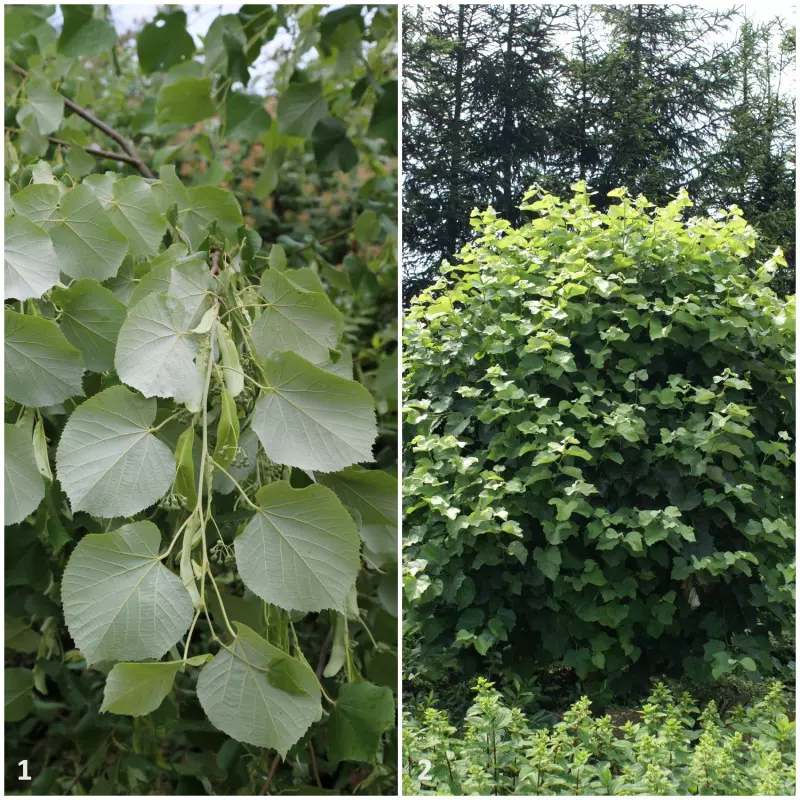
652, 97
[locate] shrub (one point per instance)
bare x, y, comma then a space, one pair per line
599, 467
672, 749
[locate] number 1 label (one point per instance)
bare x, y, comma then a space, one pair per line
24, 765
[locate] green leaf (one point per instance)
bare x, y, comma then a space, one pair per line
82, 34
24, 487
138, 689
287, 674
87, 243
31, 267
374, 495
548, 560
160, 47
305, 322
120, 602
37, 202
21, 637
748, 664
91, 318
270, 174
519, 551
311, 419
332, 149
156, 352
245, 116
109, 462
186, 100
383, 123
361, 715
130, 206
184, 279
367, 227
238, 698
300, 108
18, 688
300, 551
207, 204
42, 368
47, 105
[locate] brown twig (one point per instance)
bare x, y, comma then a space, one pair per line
272, 770
275, 761
126, 145
91, 149
328, 238
215, 262
314, 764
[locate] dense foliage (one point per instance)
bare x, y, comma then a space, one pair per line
651, 96
200, 573
599, 465
668, 747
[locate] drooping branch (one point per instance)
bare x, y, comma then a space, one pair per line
125, 144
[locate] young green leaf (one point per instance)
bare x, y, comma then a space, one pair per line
374, 495
18, 688
86, 241
300, 108
138, 689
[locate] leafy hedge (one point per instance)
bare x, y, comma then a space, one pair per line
667, 747
599, 466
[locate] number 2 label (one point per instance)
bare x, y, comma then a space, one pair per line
425, 775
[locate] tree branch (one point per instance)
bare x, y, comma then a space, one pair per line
91, 150
126, 145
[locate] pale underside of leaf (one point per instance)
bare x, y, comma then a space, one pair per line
108, 461
305, 322
91, 317
41, 367
120, 602
24, 487
31, 267
156, 353
239, 699
311, 419
87, 243
301, 550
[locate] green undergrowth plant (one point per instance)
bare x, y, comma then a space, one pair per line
668, 746
599, 468
200, 550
